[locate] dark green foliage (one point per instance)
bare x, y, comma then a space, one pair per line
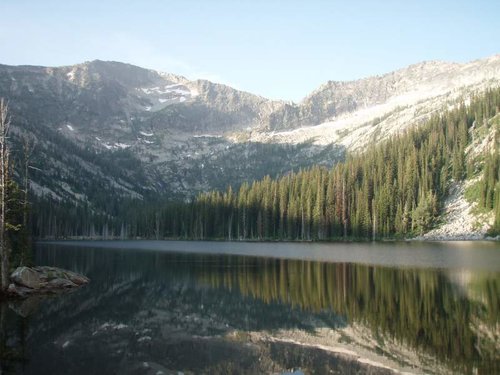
495, 230
490, 188
486, 191
424, 214
18, 235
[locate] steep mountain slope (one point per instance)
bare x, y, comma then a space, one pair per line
110, 98
111, 126
108, 127
357, 113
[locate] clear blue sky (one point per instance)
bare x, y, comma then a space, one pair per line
278, 49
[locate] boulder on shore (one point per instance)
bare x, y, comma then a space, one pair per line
26, 276
26, 281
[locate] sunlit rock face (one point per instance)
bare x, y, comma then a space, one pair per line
368, 110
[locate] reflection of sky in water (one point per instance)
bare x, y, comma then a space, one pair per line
185, 312
476, 255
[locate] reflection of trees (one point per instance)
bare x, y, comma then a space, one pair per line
420, 308
489, 292
12, 342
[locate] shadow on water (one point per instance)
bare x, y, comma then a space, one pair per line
150, 312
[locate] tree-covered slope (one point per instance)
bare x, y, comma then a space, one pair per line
115, 142
393, 189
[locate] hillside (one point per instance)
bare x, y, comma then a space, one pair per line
107, 131
396, 189
140, 132
358, 113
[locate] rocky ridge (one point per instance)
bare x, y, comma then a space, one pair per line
369, 110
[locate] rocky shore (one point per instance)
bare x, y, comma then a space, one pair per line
27, 281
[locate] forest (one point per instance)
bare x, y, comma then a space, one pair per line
392, 190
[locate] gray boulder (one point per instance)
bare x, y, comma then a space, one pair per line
27, 281
27, 277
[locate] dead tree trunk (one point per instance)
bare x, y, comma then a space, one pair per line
28, 148
4, 179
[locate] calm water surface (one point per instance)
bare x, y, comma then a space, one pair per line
156, 307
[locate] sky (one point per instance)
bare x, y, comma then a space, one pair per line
277, 49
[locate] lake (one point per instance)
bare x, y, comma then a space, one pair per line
168, 307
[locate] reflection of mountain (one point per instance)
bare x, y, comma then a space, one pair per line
149, 307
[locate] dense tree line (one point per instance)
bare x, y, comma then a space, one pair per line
394, 189
489, 198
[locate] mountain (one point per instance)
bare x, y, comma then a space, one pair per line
108, 129
399, 188
368, 110
141, 132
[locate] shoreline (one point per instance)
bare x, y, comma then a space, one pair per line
426, 254
473, 237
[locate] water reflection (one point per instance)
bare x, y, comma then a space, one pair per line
453, 315
150, 312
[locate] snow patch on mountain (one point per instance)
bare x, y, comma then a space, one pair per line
167, 89
206, 136
115, 145
158, 96
194, 92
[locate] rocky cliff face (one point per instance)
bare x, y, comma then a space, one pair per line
101, 95
113, 128
410, 85
138, 132
368, 110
